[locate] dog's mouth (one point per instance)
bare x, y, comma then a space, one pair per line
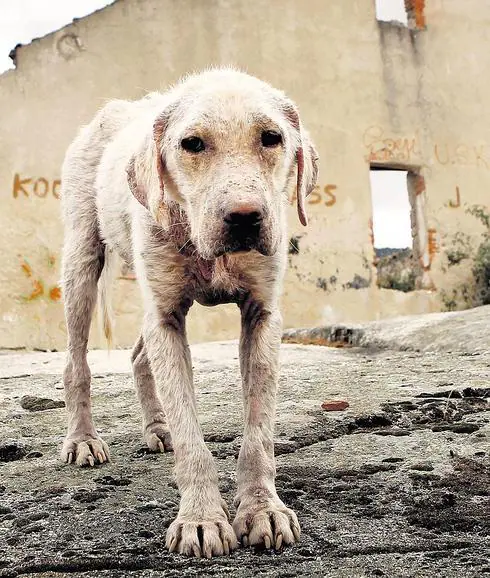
245, 246
235, 242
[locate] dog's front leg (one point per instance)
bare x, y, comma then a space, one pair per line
201, 527
262, 519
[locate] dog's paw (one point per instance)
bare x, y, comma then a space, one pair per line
157, 437
85, 450
201, 538
266, 525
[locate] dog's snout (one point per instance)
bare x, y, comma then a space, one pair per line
243, 226
244, 219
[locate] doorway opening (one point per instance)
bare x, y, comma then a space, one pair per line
395, 229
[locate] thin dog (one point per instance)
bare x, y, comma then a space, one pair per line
191, 188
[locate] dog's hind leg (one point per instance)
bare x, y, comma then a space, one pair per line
83, 261
155, 429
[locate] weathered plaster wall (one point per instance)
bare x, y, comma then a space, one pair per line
369, 92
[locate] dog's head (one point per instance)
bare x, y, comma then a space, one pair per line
225, 148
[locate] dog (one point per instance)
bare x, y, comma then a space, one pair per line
191, 187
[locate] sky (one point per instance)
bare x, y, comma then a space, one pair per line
23, 20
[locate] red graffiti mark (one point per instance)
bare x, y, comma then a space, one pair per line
315, 196
19, 185
332, 199
319, 196
26, 268
381, 147
37, 291
456, 204
55, 294
419, 185
480, 158
56, 186
38, 286
39, 187
432, 243
463, 155
385, 148
438, 157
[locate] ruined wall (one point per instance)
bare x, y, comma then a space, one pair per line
371, 93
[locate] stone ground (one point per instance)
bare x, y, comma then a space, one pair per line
397, 485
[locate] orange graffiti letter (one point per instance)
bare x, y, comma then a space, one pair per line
332, 198
19, 185
315, 196
456, 204
436, 153
45, 184
56, 184
480, 156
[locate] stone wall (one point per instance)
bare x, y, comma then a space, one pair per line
372, 93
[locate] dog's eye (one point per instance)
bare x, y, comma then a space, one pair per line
271, 138
193, 144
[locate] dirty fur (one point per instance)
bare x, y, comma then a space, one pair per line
130, 188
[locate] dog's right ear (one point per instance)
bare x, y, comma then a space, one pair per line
146, 169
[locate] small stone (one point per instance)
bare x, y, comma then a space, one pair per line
34, 403
12, 450
393, 460
335, 405
422, 467
34, 455
88, 496
151, 505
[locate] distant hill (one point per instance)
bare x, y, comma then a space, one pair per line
386, 251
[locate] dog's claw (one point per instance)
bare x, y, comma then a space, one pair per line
201, 538
173, 545
84, 451
296, 533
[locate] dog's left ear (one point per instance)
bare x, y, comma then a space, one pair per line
306, 161
145, 170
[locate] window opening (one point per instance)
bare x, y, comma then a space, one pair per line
393, 238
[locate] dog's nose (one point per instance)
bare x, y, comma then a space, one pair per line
244, 218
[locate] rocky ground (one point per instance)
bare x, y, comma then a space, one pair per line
396, 485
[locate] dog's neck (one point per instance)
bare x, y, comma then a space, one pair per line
179, 233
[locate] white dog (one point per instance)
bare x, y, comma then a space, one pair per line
190, 187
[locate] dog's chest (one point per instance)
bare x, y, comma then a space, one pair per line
213, 282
